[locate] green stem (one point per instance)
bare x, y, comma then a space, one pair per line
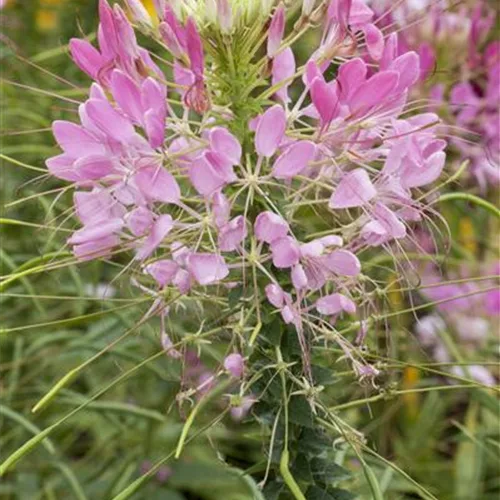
199, 406
473, 199
285, 455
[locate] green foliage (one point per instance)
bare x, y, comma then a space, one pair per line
108, 423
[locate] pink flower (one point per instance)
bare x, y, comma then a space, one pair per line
239, 412
118, 49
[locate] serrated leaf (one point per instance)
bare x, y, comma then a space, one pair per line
314, 442
234, 296
301, 469
272, 490
300, 412
316, 493
322, 375
325, 470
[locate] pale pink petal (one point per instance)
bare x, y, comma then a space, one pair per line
354, 190
312, 72
169, 37
182, 280
75, 140
429, 172
276, 31
157, 184
221, 209
390, 51
286, 252
235, 365
96, 248
299, 278
351, 75
295, 159
225, 144
331, 240
359, 13
312, 249
96, 231
96, 205
163, 271
283, 69
374, 41
204, 176
154, 124
162, 226
374, 92
108, 40
343, 262
139, 221
86, 57
194, 47
93, 167
127, 94
232, 234
408, 67
270, 227
275, 295
335, 304
61, 166
389, 220
109, 121
207, 268
270, 131
325, 100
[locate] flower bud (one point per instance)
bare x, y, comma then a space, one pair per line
235, 365
224, 16
139, 13
276, 31
307, 7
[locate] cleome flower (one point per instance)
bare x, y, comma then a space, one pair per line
230, 164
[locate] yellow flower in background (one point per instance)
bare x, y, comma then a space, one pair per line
467, 235
47, 16
411, 400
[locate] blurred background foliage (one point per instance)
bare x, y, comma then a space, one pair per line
53, 320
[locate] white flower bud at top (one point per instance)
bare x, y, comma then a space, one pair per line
307, 7
139, 12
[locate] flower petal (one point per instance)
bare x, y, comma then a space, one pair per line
270, 131
207, 268
354, 190
294, 160
157, 184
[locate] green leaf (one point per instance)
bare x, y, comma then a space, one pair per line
322, 375
314, 442
325, 470
234, 296
272, 490
316, 493
301, 469
300, 412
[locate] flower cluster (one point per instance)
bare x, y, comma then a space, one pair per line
227, 163
462, 63
467, 308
